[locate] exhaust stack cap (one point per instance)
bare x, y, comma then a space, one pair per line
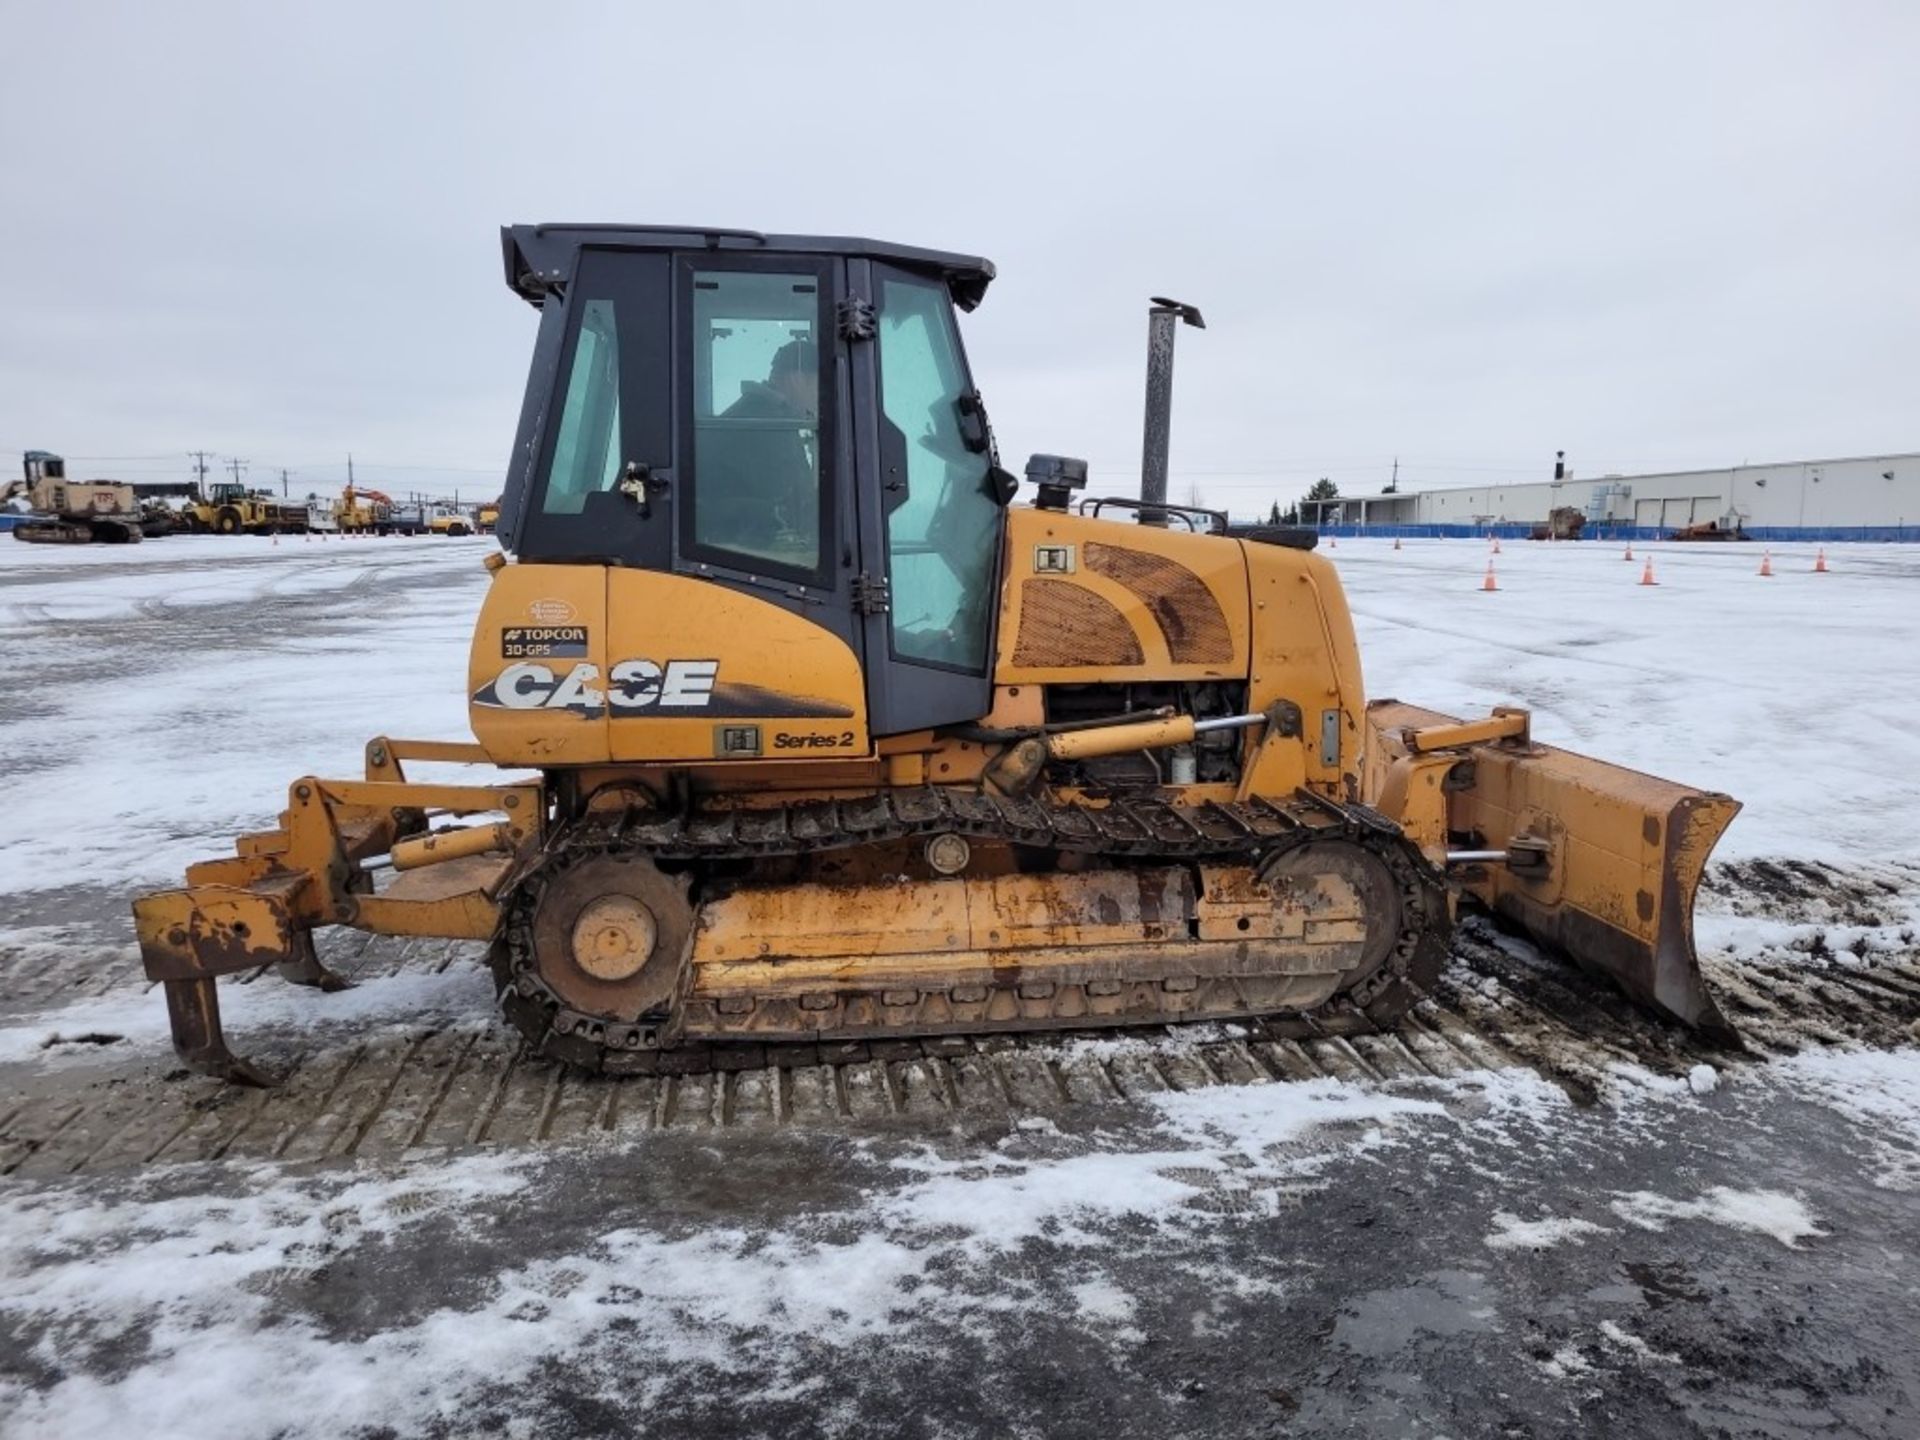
1189, 314
1056, 477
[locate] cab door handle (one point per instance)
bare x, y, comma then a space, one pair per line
640, 482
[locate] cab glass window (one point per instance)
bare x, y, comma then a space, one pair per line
943, 535
586, 447
756, 497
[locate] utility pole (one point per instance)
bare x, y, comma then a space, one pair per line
283, 482
237, 466
199, 458
349, 467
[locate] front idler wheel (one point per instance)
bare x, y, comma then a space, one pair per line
1407, 921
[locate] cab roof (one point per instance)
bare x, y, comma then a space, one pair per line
539, 256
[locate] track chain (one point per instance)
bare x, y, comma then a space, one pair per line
1148, 828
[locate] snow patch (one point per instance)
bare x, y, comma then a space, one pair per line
1767, 1212
1566, 1363
1703, 1079
1253, 1120
1510, 1232
1634, 1344
996, 1203
1104, 1302
1879, 1090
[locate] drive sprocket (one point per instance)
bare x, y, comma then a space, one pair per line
592, 954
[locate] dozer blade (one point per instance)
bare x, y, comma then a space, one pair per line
1602, 861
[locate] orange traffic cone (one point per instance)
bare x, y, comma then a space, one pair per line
1496, 544
1646, 575
1489, 583
1766, 563
1820, 562
1629, 554
1332, 543
276, 539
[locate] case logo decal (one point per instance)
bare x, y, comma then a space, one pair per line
631, 685
638, 688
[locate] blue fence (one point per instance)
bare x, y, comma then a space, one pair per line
1776, 534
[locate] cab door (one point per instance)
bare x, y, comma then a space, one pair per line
763, 474
930, 520
603, 445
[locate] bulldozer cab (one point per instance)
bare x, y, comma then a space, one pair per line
788, 416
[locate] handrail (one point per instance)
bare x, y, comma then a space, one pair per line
1186, 514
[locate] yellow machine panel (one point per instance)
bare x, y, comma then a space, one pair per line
577, 665
1304, 652
1086, 599
738, 679
536, 672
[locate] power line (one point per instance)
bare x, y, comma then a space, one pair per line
499, 469
119, 459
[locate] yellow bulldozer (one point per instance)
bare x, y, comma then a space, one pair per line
830, 741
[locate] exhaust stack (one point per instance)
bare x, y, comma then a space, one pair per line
1161, 320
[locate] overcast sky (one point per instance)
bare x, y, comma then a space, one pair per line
1667, 235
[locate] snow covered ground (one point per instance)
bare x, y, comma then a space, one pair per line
1795, 694
1463, 1258
148, 754
1477, 1255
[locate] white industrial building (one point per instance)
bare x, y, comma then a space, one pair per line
1870, 497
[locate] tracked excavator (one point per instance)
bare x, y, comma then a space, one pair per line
790, 727
72, 512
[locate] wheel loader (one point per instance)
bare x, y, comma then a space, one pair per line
791, 727
229, 508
